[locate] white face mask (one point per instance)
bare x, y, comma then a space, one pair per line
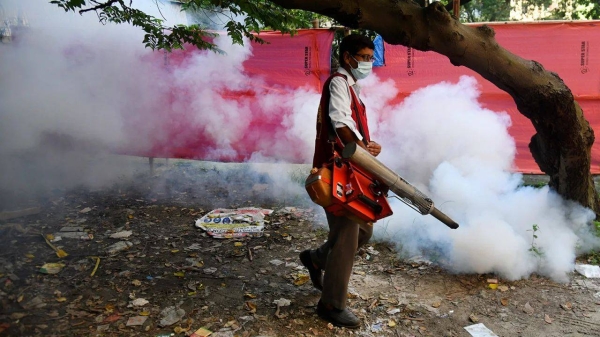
362, 70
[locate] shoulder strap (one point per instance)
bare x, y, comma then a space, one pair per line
354, 99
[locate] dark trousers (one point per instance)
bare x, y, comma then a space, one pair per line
336, 257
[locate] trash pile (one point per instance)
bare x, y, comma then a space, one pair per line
234, 223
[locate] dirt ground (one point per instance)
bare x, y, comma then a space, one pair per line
230, 286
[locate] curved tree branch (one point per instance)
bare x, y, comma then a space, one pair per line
562, 144
99, 6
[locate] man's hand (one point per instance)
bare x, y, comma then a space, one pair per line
374, 148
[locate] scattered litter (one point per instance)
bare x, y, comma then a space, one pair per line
479, 330
419, 260
195, 262
547, 319
528, 309
377, 327
97, 259
300, 279
210, 270
588, 270
34, 303
202, 332
104, 327
136, 320
195, 246
503, 288
85, 210
372, 251
121, 235
73, 232
393, 311
139, 302
119, 246
71, 229
234, 223
567, 306
473, 318
59, 252
112, 318
19, 213
276, 262
170, 316
51, 268
74, 235
250, 306
286, 210
223, 334
282, 302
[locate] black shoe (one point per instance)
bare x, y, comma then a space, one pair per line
316, 274
339, 317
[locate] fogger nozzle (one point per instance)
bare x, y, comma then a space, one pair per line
409, 194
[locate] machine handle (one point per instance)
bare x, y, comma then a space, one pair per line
371, 203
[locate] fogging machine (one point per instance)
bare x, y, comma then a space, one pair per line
356, 184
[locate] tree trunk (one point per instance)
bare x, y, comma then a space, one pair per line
562, 145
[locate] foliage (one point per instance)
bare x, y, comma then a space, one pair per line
534, 249
594, 256
485, 11
582, 9
493, 10
244, 17
536, 184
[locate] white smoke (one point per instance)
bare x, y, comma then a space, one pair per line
460, 154
74, 91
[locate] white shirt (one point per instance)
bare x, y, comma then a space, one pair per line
341, 100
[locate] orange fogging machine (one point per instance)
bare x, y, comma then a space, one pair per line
356, 185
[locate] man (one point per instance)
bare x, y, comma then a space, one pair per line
341, 119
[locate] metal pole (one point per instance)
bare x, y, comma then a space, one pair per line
407, 193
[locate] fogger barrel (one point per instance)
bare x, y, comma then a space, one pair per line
409, 194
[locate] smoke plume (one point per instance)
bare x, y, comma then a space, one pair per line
75, 94
460, 154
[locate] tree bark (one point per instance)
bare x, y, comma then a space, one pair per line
563, 140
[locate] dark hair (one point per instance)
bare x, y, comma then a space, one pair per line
352, 44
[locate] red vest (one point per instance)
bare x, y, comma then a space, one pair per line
327, 141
